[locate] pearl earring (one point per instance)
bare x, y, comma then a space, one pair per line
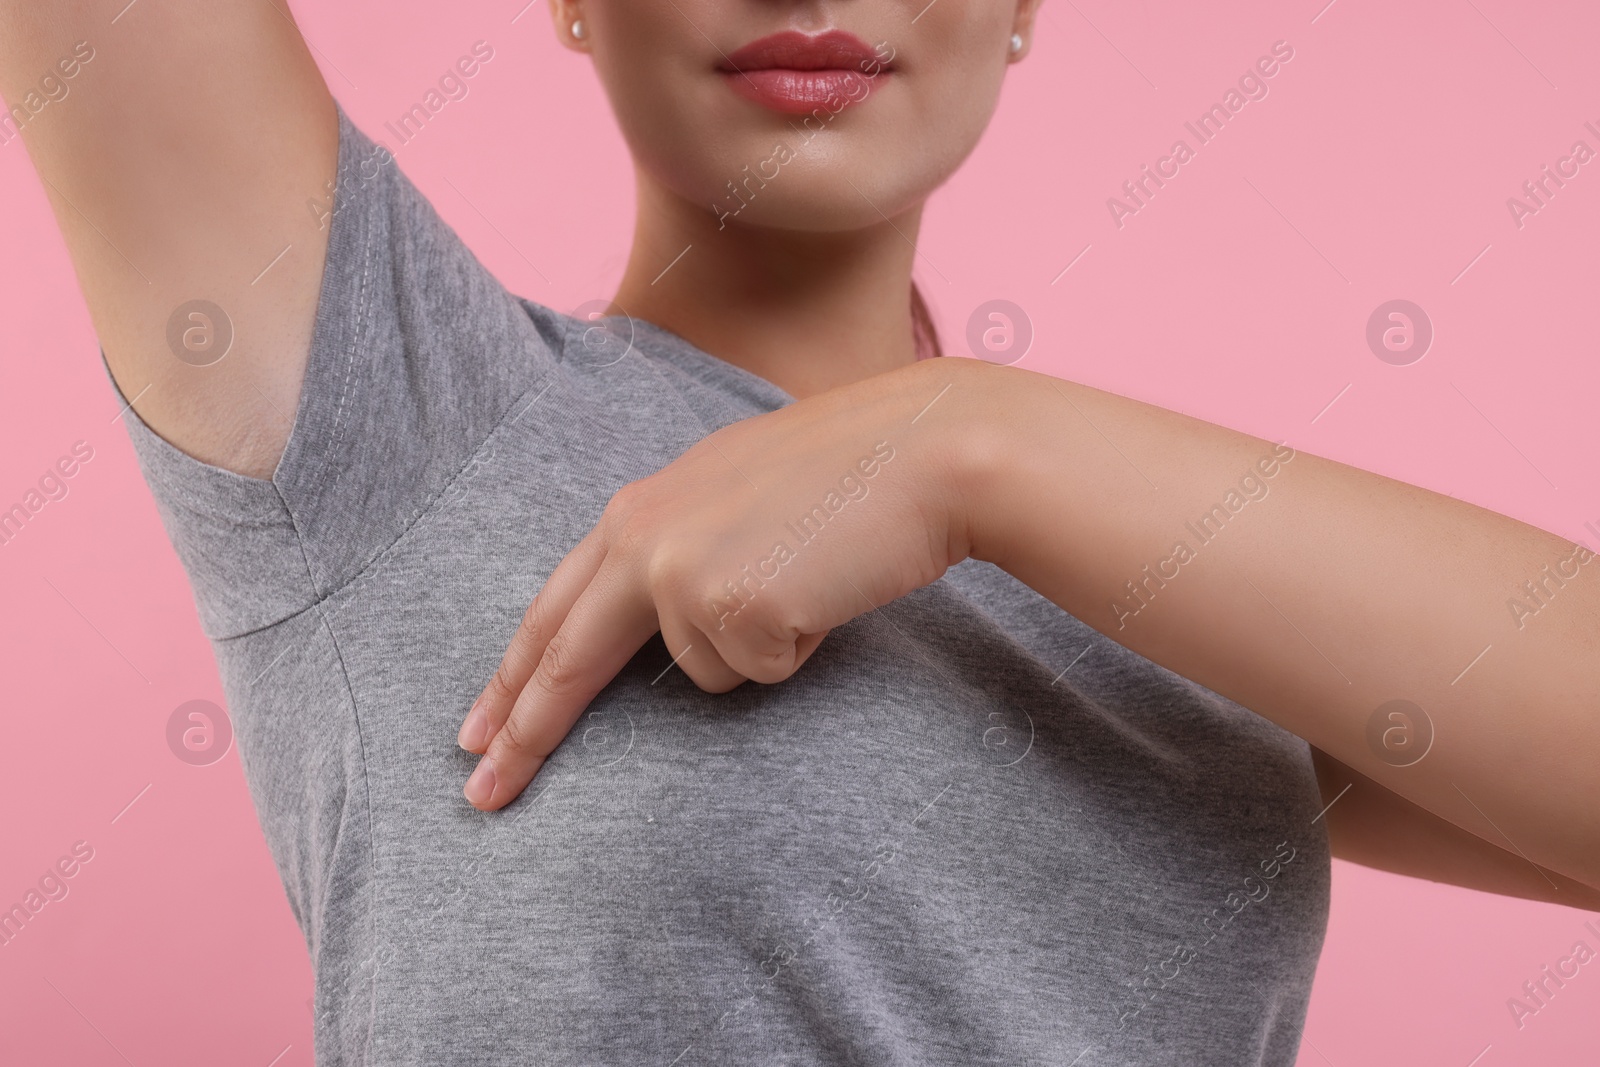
1016, 43
577, 30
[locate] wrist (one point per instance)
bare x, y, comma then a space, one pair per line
976, 442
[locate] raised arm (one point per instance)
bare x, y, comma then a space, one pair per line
179, 142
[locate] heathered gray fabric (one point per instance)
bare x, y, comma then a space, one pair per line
970, 830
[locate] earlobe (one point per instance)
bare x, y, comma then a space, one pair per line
571, 28
1021, 30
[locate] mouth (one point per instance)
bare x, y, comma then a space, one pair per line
795, 73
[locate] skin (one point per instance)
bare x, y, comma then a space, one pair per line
1391, 590
164, 195
806, 286
1340, 591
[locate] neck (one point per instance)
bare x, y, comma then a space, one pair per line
806, 311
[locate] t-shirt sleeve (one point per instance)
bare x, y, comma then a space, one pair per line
417, 354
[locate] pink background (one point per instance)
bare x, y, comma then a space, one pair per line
1378, 167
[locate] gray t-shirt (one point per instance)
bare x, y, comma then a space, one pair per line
970, 830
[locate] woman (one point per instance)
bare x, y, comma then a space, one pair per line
1039, 767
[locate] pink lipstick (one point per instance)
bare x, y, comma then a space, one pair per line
795, 73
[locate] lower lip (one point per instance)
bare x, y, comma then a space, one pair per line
796, 92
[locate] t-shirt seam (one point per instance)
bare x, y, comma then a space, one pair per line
433, 502
305, 560
672, 389
176, 487
372, 830
363, 312
363, 309
428, 506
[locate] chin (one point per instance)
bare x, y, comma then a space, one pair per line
812, 190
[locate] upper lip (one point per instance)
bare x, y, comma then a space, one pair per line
791, 50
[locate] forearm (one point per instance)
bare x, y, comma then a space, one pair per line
1313, 594
1377, 828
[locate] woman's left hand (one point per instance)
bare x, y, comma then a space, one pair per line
743, 553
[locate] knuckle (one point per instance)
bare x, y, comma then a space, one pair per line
670, 572
515, 663
773, 622
625, 501
759, 645
769, 668
501, 685
632, 521
535, 623
533, 616
633, 537
516, 737
786, 622
560, 673
713, 678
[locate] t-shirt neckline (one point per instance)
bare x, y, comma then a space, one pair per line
711, 369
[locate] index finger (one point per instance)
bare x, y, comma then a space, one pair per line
602, 631
544, 617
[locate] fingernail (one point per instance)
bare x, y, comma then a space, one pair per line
480, 787
474, 732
